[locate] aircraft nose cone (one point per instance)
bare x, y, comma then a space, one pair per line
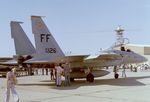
145, 59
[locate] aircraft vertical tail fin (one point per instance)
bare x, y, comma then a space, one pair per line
23, 45
44, 40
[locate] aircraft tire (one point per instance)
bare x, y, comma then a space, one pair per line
71, 79
116, 76
90, 77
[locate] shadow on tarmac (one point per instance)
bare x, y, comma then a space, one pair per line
129, 81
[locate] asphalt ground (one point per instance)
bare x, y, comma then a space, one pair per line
38, 88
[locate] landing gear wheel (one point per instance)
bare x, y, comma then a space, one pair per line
71, 79
116, 76
90, 77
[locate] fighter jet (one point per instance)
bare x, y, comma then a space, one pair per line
48, 51
52, 53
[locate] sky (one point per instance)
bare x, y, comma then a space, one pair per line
79, 26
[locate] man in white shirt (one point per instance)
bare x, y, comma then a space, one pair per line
11, 81
59, 71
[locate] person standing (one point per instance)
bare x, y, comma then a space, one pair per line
124, 71
67, 71
11, 81
52, 71
52, 74
59, 71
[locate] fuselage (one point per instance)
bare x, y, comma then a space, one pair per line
129, 57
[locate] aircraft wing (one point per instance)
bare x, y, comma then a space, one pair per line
57, 59
103, 60
105, 56
75, 58
9, 62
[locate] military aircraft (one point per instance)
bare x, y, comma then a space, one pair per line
52, 53
48, 51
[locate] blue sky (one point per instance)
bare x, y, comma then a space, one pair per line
79, 26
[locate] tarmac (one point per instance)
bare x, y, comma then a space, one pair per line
38, 88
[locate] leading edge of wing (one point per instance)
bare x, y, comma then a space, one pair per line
47, 59
105, 56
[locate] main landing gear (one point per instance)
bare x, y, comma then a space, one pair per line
90, 77
72, 79
116, 76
